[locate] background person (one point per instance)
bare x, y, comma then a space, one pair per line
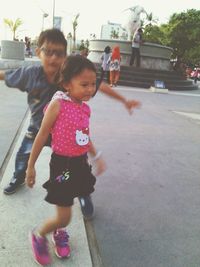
137, 41
105, 66
115, 60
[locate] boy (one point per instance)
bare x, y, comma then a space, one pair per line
38, 82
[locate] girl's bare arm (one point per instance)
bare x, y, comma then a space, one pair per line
40, 140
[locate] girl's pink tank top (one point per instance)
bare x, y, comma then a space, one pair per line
70, 133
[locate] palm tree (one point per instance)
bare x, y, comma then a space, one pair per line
69, 35
150, 20
93, 36
74, 25
13, 25
114, 34
69, 41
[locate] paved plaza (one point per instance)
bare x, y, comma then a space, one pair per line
147, 202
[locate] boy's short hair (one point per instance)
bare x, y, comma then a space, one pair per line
53, 36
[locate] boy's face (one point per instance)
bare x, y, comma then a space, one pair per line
52, 56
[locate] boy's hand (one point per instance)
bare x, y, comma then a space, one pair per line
131, 104
30, 177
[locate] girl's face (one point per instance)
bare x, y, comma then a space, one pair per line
81, 87
52, 57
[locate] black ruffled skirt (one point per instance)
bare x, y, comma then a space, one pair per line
70, 177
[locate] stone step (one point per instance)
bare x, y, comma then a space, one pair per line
143, 84
135, 77
144, 78
141, 71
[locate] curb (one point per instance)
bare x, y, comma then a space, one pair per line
12, 146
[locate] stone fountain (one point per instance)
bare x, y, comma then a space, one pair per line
153, 56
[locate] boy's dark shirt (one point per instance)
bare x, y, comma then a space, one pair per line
32, 80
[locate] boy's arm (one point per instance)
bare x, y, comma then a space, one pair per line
2, 75
129, 104
40, 140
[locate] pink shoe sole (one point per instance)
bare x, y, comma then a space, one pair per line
56, 252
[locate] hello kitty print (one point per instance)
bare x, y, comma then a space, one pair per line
70, 133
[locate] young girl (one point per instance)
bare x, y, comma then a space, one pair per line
115, 66
67, 119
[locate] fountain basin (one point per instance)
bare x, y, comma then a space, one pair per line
153, 56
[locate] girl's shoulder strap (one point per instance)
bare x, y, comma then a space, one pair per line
60, 95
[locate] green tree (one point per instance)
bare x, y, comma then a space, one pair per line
150, 20
114, 34
13, 25
183, 34
69, 35
82, 45
153, 34
93, 36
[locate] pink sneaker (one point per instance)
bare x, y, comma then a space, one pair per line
60, 239
40, 249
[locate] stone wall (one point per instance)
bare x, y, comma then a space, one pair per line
12, 50
153, 56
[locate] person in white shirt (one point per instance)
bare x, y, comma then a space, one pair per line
105, 66
137, 41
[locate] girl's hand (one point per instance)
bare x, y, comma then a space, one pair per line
30, 177
131, 104
100, 166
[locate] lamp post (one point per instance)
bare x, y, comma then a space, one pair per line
53, 11
45, 15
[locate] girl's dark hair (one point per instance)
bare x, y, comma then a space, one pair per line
53, 36
107, 49
72, 67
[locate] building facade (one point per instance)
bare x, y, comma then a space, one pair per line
113, 31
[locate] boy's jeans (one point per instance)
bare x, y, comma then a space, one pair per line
22, 158
23, 154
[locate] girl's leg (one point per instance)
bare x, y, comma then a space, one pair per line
111, 77
62, 219
60, 237
116, 77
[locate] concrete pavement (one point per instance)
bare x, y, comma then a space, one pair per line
147, 202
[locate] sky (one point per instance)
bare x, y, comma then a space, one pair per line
93, 14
